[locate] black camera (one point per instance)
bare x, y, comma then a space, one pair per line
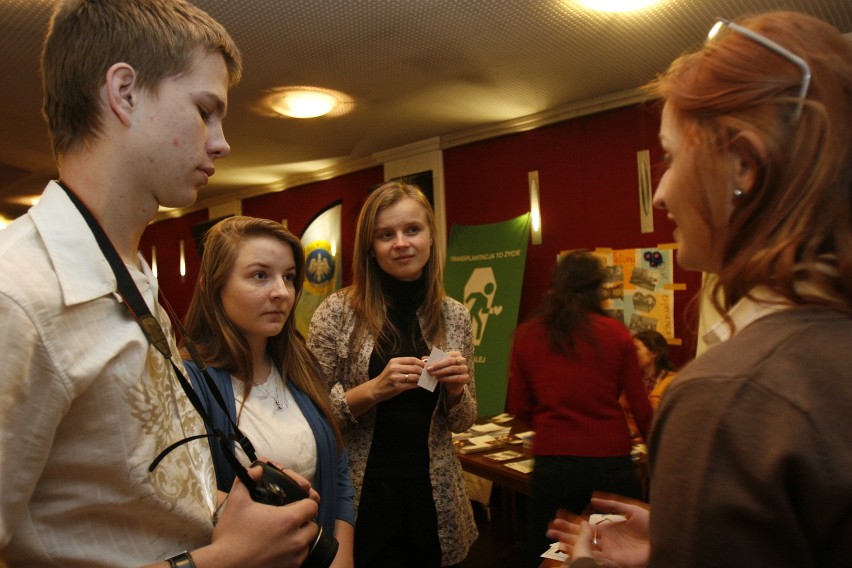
277, 488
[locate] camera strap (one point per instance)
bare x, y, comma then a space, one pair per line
135, 303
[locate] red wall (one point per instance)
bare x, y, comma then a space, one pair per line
166, 236
298, 205
588, 190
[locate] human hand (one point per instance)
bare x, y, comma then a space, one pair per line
301, 481
615, 544
253, 534
399, 375
453, 372
585, 543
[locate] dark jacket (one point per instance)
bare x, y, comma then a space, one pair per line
332, 482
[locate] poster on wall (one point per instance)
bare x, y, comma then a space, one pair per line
485, 271
323, 274
639, 287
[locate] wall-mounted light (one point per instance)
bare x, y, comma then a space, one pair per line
154, 261
646, 197
535, 209
182, 263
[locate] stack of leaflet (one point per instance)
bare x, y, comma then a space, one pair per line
478, 444
492, 429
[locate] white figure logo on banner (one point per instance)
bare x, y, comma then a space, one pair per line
479, 292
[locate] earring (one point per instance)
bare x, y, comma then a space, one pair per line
739, 194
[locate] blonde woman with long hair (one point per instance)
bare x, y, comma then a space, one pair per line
371, 340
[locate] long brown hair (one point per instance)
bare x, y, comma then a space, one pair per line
218, 340
797, 220
365, 293
575, 293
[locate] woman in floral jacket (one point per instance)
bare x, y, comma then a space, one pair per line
372, 340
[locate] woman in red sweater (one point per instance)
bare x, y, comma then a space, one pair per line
569, 365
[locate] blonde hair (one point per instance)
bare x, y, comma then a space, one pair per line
365, 293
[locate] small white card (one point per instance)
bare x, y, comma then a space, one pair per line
555, 553
524, 466
427, 381
489, 428
597, 519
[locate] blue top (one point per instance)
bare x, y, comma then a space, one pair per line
336, 491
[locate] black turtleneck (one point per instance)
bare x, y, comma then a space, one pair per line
400, 447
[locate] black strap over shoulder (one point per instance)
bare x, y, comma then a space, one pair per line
137, 307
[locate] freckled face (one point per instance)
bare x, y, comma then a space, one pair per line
700, 206
259, 294
180, 131
402, 241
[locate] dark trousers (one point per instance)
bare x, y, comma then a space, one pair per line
397, 525
567, 482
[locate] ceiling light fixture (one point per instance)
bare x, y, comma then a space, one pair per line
616, 5
306, 102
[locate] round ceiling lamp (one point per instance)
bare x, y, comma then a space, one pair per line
307, 102
616, 5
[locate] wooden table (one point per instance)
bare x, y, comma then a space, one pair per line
509, 479
497, 472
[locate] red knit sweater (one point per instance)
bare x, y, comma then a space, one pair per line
572, 401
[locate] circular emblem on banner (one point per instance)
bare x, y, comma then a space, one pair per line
319, 267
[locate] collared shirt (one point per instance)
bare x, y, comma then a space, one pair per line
761, 302
85, 406
758, 304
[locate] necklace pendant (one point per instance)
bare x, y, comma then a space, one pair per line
278, 404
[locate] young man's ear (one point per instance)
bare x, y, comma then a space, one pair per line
120, 87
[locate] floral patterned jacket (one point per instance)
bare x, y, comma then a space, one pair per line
330, 339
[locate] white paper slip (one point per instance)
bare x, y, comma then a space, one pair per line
477, 444
504, 456
524, 466
481, 440
597, 519
500, 418
461, 435
427, 381
489, 428
554, 553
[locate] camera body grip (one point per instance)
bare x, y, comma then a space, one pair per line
277, 488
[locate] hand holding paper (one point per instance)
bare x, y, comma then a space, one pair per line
448, 368
427, 381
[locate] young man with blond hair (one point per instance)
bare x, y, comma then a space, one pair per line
134, 96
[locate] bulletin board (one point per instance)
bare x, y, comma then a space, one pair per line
639, 288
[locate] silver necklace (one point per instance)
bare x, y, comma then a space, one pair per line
278, 403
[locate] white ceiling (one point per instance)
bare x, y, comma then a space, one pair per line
455, 70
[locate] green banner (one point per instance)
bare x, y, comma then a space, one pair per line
485, 271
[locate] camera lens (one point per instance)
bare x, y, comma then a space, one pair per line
322, 552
